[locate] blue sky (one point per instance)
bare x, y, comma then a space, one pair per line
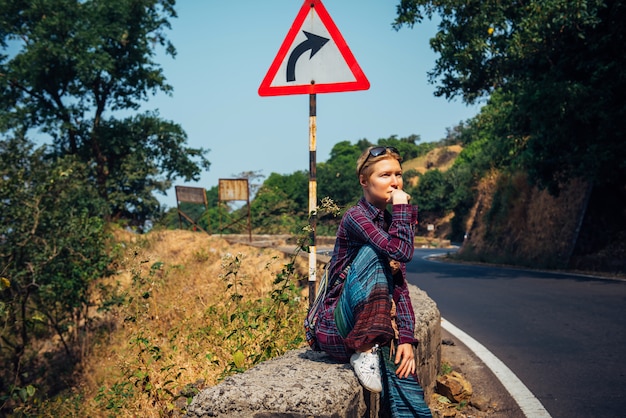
225, 48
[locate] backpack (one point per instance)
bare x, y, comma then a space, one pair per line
314, 310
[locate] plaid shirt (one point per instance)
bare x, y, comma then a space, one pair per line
391, 234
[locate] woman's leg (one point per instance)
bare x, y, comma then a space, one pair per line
363, 311
401, 397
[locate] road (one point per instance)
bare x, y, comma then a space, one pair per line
564, 336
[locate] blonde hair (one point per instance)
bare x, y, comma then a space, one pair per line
368, 158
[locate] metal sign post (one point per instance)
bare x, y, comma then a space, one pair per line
312, 197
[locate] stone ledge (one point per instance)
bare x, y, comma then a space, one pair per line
301, 383
304, 383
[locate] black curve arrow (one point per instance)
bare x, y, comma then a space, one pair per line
312, 42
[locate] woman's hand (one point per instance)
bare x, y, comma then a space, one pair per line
400, 197
405, 357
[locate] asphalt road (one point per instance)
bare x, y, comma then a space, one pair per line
564, 336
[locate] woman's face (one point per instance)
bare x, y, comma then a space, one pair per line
386, 176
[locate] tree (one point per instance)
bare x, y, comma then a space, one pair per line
336, 178
560, 65
53, 245
407, 146
70, 68
432, 193
281, 204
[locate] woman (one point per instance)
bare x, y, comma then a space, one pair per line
367, 308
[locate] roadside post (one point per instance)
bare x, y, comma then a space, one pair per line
329, 67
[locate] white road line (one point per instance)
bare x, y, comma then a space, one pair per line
530, 406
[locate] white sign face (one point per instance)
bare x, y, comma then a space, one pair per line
309, 64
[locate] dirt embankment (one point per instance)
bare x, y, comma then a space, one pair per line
514, 223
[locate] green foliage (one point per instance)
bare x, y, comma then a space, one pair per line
281, 204
116, 397
53, 245
461, 187
408, 147
555, 71
258, 330
69, 68
336, 178
445, 368
143, 154
432, 194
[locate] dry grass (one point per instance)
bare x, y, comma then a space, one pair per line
169, 338
440, 158
514, 223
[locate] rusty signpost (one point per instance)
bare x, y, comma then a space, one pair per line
235, 189
195, 195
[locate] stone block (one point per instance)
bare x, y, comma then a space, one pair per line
304, 383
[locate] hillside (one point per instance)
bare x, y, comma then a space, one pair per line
440, 158
530, 228
514, 223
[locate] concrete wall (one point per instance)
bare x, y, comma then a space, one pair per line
304, 383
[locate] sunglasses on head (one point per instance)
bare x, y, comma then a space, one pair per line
377, 152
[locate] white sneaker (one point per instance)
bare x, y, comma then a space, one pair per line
367, 369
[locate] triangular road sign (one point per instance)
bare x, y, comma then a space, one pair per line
314, 58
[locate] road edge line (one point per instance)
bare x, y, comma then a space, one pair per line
528, 403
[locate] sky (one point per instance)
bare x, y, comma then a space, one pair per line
225, 49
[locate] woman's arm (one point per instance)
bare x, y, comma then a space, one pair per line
396, 243
405, 317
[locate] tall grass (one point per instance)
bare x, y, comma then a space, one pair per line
183, 311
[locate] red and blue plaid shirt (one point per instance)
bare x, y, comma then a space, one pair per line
390, 234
